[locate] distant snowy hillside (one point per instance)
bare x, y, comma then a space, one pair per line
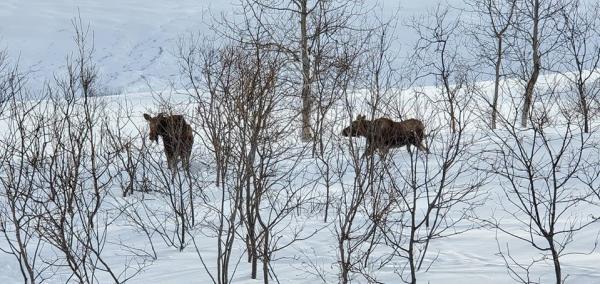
134, 39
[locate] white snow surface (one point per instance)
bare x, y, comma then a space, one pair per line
471, 257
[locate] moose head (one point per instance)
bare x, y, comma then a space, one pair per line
359, 127
155, 124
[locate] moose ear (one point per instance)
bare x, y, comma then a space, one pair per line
147, 116
360, 117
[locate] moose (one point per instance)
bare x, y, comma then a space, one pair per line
384, 133
177, 136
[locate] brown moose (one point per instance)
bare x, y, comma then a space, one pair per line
384, 133
177, 137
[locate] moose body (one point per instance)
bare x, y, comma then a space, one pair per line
384, 133
177, 136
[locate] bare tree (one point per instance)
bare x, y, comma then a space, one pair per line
321, 24
361, 204
261, 128
243, 109
536, 36
21, 160
11, 80
542, 170
213, 77
436, 54
433, 195
345, 63
76, 177
123, 142
179, 192
581, 33
57, 173
497, 17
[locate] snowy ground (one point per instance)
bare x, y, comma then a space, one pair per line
471, 257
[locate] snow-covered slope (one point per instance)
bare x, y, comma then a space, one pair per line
134, 39
471, 257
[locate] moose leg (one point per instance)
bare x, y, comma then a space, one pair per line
384, 150
423, 148
417, 140
175, 162
185, 159
370, 149
171, 161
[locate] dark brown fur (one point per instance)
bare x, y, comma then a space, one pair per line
177, 137
384, 133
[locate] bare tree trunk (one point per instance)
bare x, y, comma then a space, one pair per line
251, 230
266, 259
342, 251
535, 46
556, 261
306, 97
450, 94
497, 83
411, 244
585, 108
499, 21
